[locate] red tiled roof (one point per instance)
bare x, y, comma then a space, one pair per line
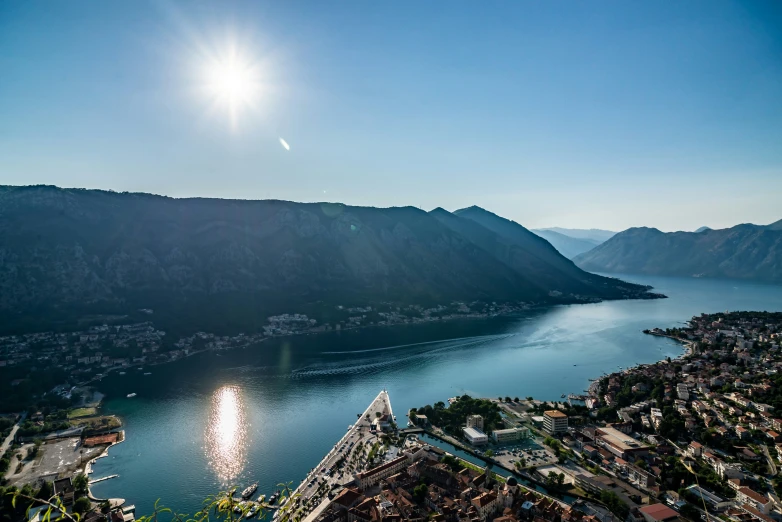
101, 439
484, 499
659, 512
754, 495
755, 513
347, 497
383, 467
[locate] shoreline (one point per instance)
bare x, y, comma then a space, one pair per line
88, 467
688, 344
363, 327
347, 328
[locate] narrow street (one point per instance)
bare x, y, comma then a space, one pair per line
771, 464
9, 439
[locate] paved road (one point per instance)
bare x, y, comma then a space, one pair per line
770, 460
10, 437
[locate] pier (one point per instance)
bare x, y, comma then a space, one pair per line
91, 482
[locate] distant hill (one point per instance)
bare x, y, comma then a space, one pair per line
777, 225
568, 246
702, 229
746, 251
592, 234
227, 264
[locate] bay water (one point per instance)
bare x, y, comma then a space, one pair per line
269, 412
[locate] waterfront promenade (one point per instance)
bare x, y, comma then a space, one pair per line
356, 435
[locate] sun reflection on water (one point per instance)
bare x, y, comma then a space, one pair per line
226, 434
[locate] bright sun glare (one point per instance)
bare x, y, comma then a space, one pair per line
234, 83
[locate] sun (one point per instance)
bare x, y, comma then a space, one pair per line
231, 82
234, 83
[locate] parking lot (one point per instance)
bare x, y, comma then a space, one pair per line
532, 453
53, 457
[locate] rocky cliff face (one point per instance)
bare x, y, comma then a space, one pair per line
69, 249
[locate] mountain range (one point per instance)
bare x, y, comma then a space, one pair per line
591, 234
568, 246
69, 253
571, 242
745, 251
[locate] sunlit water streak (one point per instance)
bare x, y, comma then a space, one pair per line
226, 434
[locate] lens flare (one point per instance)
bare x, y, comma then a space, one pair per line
285, 144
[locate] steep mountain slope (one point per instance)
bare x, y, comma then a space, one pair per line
592, 234
568, 246
70, 251
741, 252
777, 225
534, 257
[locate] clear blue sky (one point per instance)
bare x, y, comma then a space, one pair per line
575, 114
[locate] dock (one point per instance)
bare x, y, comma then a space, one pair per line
91, 482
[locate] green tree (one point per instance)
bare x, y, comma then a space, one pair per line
420, 492
689, 511
46, 491
80, 483
81, 505
614, 503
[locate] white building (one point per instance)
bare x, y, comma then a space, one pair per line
657, 417
475, 421
510, 435
681, 391
754, 499
475, 436
554, 421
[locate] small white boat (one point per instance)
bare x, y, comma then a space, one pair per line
148, 373
131, 395
122, 373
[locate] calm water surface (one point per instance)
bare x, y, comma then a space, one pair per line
268, 413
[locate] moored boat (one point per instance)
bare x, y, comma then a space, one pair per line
249, 490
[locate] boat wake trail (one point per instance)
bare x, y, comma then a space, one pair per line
372, 365
477, 337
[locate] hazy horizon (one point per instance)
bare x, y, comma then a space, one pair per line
609, 116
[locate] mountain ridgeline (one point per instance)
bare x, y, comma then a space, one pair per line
752, 252
227, 264
568, 246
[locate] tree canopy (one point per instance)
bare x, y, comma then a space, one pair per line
454, 416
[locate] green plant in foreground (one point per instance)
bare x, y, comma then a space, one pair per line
221, 506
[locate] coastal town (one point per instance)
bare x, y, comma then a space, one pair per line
39, 369
696, 437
